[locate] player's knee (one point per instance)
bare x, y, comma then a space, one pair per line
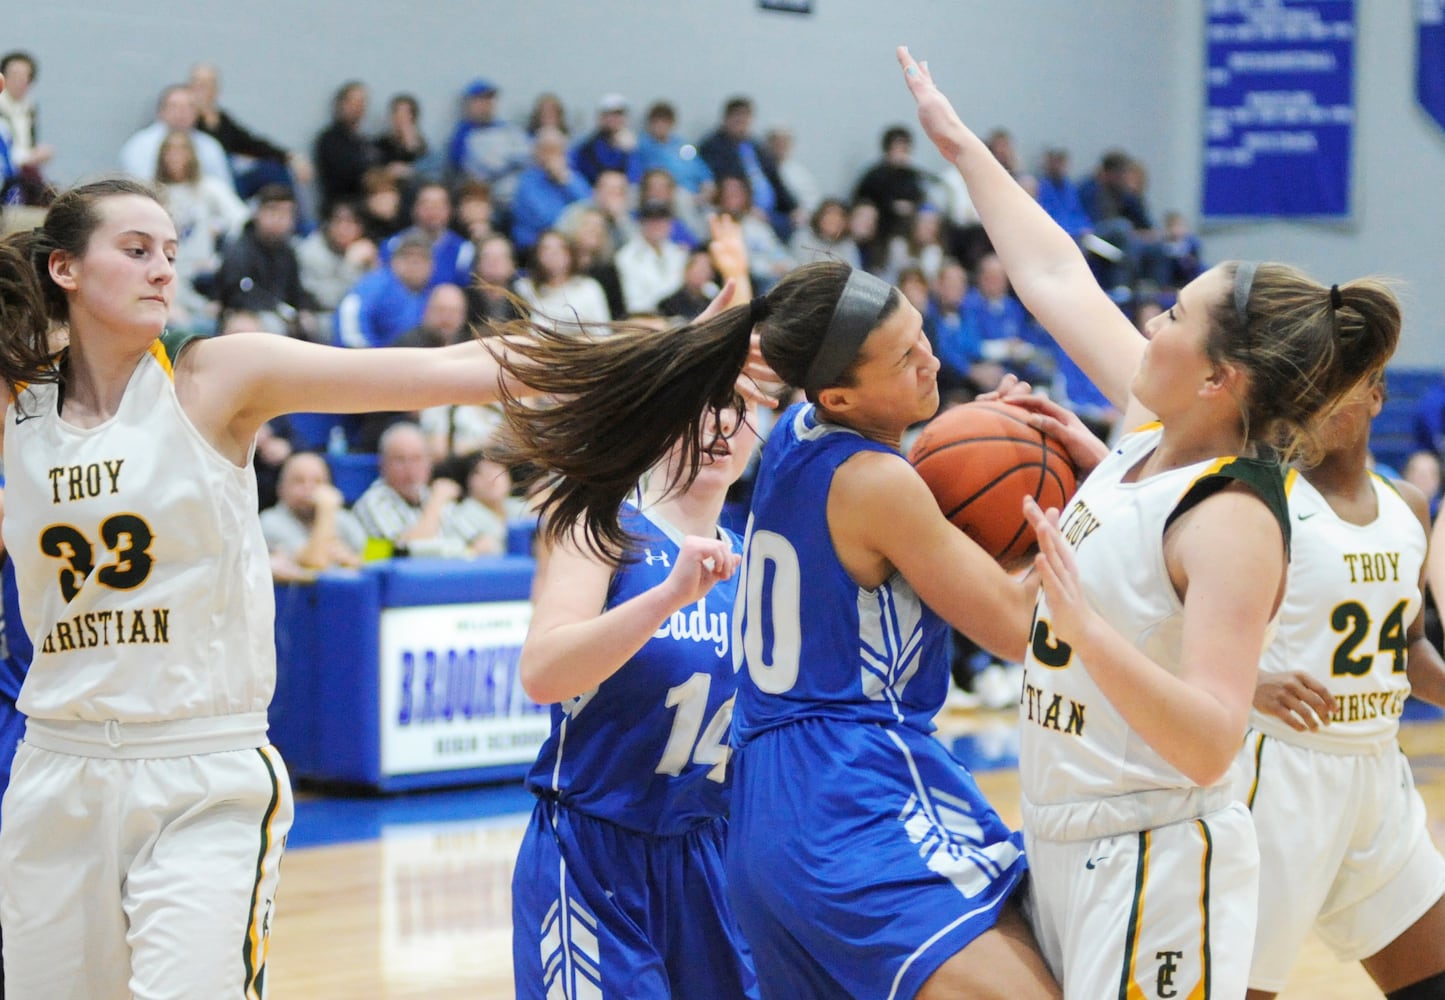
1426, 989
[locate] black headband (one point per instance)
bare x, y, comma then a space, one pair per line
1243, 282
855, 316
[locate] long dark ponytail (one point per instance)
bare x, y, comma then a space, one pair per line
622, 401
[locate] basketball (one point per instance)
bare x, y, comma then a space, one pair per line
980, 460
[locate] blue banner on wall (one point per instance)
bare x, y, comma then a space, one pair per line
1430, 58
1280, 111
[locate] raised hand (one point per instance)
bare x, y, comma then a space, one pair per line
935, 112
1058, 574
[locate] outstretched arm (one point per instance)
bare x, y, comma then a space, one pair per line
1044, 264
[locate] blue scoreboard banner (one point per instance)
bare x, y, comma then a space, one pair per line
1430, 58
1280, 112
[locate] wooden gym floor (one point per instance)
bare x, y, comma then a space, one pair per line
414, 899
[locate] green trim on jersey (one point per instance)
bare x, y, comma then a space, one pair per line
1265, 476
175, 341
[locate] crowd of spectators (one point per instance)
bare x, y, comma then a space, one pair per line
374, 238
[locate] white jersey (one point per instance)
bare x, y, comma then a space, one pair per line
143, 575
1353, 591
1075, 746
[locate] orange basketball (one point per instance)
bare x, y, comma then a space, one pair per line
981, 460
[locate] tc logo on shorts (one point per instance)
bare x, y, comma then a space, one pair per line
1164, 981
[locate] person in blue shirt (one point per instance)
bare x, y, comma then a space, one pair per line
658, 146
619, 884
545, 189
862, 860
388, 301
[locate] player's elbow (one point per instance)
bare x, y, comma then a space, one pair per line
1209, 768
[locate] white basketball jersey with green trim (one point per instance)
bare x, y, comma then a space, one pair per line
1353, 591
1074, 744
143, 575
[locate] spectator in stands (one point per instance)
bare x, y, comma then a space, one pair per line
732, 151
544, 189
487, 148
28, 155
689, 217
473, 217
609, 146
768, 259
443, 322
957, 341
893, 184
255, 161
1116, 207
611, 196
547, 109
650, 264
1008, 333
259, 271
481, 518
1000, 143
921, 247
309, 529
403, 506
798, 179
431, 215
658, 147
381, 217
558, 295
594, 253
1183, 253
488, 301
343, 153
175, 111
863, 231
388, 301
402, 148
1059, 195
335, 256
206, 212
699, 285
825, 237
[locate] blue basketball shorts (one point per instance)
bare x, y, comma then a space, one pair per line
861, 858
602, 911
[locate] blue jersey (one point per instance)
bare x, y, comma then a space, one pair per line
815, 644
648, 748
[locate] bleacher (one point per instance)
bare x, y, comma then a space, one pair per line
1392, 435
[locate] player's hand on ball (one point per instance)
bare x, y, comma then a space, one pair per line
1300, 701
1063, 425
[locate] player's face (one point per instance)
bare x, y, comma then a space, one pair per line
896, 381
1175, 363
1348, 424
730, 442
125, 280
